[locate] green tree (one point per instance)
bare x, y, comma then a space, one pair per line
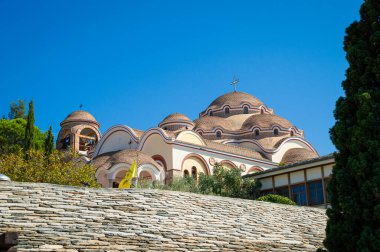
49, 141
12, 135
354, 190
17, 110
59, 168
29, 129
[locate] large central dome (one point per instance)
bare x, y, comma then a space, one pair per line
235, 99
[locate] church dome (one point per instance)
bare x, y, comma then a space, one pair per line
297, 155
80, 116
235, 99
265, 121
176, 121
211, 122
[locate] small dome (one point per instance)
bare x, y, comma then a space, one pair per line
265, 121
80, 116
297, 155
235, 99
107, 160
176, 121
211, 122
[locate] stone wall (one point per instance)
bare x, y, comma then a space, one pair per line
62, 218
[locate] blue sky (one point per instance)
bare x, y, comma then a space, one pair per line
135, 62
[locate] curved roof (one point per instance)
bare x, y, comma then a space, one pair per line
297, 155
176, 118
212, 122
265, 121
107, 160
80, 116
235, 99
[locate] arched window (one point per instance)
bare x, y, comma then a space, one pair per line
186, 173
200, 133
245, 110
291, 133
257, 132
194, 172
211, 114
227, 111
218, 134
275, 132
262, 111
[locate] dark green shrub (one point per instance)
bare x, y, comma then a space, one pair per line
276, 199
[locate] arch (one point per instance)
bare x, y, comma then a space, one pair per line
161, 160
118, 137
194, 172
218, 134
228, 164
275, 131
186, 173
245, 110
198, 159
257, 132
226, 110
254, 169
190, 137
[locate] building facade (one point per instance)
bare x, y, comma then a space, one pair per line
236, 130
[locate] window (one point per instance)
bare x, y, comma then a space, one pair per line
227, 110
245, 110
218, 134
315, 192
283, 191
275, 132
262, 111
257, 132
186, 173
194, 172
200, 133
299, 194
291, 133
211, 114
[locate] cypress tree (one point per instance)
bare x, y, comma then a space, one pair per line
354, 190
49, 142
29, 129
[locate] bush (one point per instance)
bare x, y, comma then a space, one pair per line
276, 199
223, 182
57, 168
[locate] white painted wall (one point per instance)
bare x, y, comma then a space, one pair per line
266, 183
118, 140
155, 145
328, 170
281, 180
297, 177
314, 173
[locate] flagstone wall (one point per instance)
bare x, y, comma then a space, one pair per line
62, 218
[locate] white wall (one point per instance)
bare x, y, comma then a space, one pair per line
180, 152
118, 140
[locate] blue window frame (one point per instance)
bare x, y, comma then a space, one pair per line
299, 194
315, 192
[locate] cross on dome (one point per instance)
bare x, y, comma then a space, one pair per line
234, 82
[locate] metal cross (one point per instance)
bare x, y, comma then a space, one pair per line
81, 106
234, 82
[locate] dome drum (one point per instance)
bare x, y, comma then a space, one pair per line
175, 122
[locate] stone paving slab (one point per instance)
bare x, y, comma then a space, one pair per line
62, 218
